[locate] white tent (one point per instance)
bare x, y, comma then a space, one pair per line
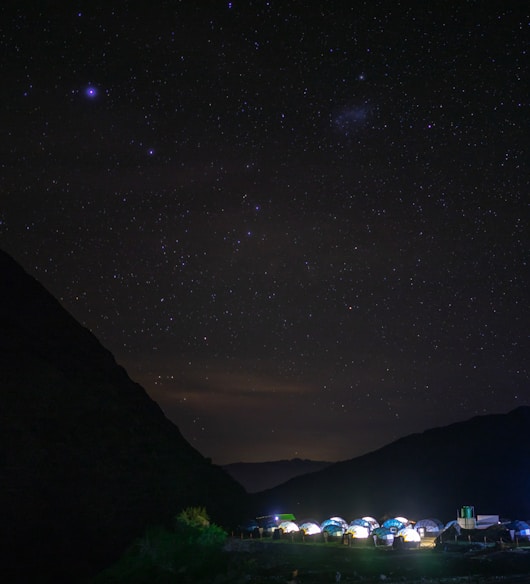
362, 522
310, 528
409, 536
358, 531
288, 527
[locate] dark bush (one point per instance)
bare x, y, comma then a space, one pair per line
192, 552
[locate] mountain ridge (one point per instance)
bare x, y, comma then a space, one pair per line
482, 461
259, 476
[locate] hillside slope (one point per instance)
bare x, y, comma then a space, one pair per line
87, 458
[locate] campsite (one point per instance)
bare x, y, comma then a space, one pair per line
278, 548
470, 549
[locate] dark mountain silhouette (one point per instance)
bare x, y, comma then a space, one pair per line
259, 476
484, 462
87, 459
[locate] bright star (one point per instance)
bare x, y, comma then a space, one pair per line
91, 92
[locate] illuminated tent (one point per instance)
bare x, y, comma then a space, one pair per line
383, 536
288, 527
358, 531
409, 536
363, 522
373, 522
334, 526
339, 520
395, 524
310, 527
431, 526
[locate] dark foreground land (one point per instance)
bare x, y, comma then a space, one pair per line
307, 563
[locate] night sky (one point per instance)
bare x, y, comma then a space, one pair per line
303, 230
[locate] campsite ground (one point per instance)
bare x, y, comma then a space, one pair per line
314, 563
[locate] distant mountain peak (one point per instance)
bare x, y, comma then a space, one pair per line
259, 476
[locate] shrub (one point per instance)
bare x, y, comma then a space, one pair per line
189, 553
194, 517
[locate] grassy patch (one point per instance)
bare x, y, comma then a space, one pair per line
312, 563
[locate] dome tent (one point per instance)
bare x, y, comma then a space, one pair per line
363, 522
358, 531
408, 537
334, 526
430, 526
339, 520
383, 536
310, 527
395, 524
288, 527
373, 522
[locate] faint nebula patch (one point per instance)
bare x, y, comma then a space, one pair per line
352, 118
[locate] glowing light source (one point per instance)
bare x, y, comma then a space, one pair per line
91, 92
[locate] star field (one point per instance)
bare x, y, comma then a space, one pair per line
303, 230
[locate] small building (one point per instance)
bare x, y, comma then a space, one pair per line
467, 520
